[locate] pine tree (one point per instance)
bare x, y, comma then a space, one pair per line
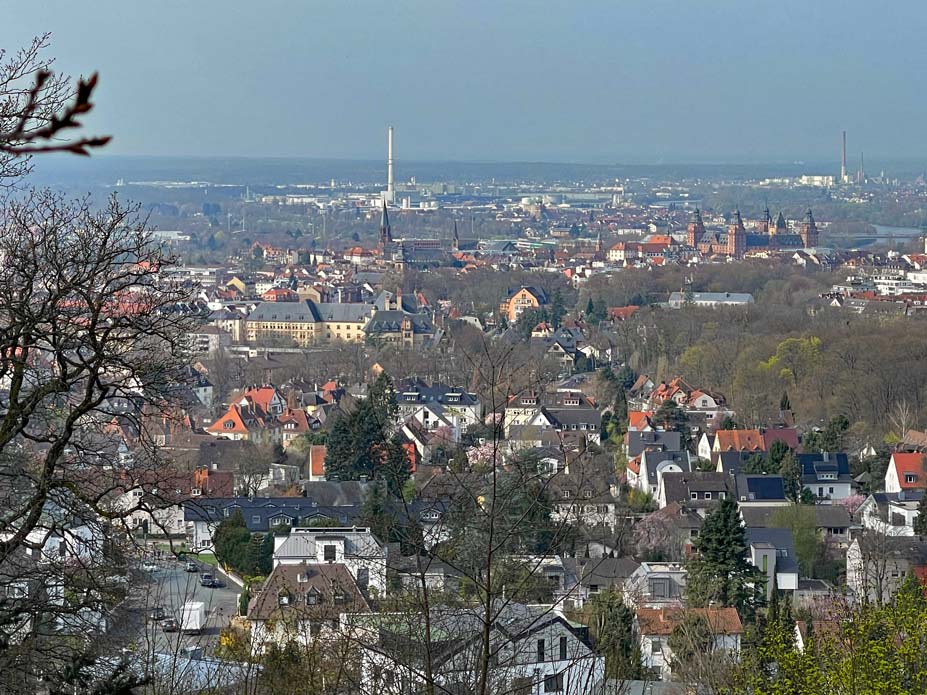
396, 469
790, 470
720, 571
339, 456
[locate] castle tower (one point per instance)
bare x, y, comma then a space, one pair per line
766, 227
736, 237
808, 232
695, 229
386, 234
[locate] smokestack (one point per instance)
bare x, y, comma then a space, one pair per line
389, 161
843, 159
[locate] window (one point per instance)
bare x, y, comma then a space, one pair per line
563, 648
782, 552
910, 478
721, 495
566, 494
540, 651
228, 424
328, 553
137, 493
196, 492
659, 588
656, 646
593, 588
255, 518
830, 491
587, 494
707, 495
693, 495
553, 684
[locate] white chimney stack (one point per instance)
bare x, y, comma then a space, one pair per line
389, 162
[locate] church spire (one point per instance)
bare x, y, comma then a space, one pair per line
386, 234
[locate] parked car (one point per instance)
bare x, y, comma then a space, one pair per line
209, 581
191, 567
169, 625
156, 614
149, 566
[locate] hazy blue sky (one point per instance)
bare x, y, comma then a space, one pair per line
580, 80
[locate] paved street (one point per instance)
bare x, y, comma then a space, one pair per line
170, 587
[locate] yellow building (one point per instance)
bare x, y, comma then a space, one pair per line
522, 300
308, 323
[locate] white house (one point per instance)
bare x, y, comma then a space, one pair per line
536, 650
354, 547
654, 626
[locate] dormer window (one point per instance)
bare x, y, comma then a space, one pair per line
529, 401
196, 492
283, 600
693, 495
571, 401
228, 424
566, 494
910, 478
587, 494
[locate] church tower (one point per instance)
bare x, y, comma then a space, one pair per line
808, 232
736, 237
695, 230
780, 227
386, 234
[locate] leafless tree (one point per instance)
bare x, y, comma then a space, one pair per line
37, 108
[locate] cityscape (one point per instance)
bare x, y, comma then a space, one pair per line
435, 421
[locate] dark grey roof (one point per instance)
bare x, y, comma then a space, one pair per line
285, 311
752, 488
731, 461
415, 391
677, 487
391, 322
653, 458
826, 515
329, 493
665, 441
781, 538
608, 571
348, 313
261, 514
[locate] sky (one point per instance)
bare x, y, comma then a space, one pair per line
598, 81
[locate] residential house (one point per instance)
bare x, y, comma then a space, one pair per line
656, 585
832, 521
261, 515
826, 475
772, 550
877, 565
654, 626
355, 547
462, 408
523, 299
749, 441
536, 650
698, 490
597, 575
891, 513
645, 473
302, 602
637, 441
760, 490
906, 471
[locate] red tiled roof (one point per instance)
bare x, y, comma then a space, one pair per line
739, 440
662, 621
909, 464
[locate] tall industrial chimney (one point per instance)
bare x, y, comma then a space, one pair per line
843, 159
389, 163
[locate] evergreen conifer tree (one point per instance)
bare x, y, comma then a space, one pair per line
720, 571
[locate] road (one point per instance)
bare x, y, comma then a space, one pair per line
170, 586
